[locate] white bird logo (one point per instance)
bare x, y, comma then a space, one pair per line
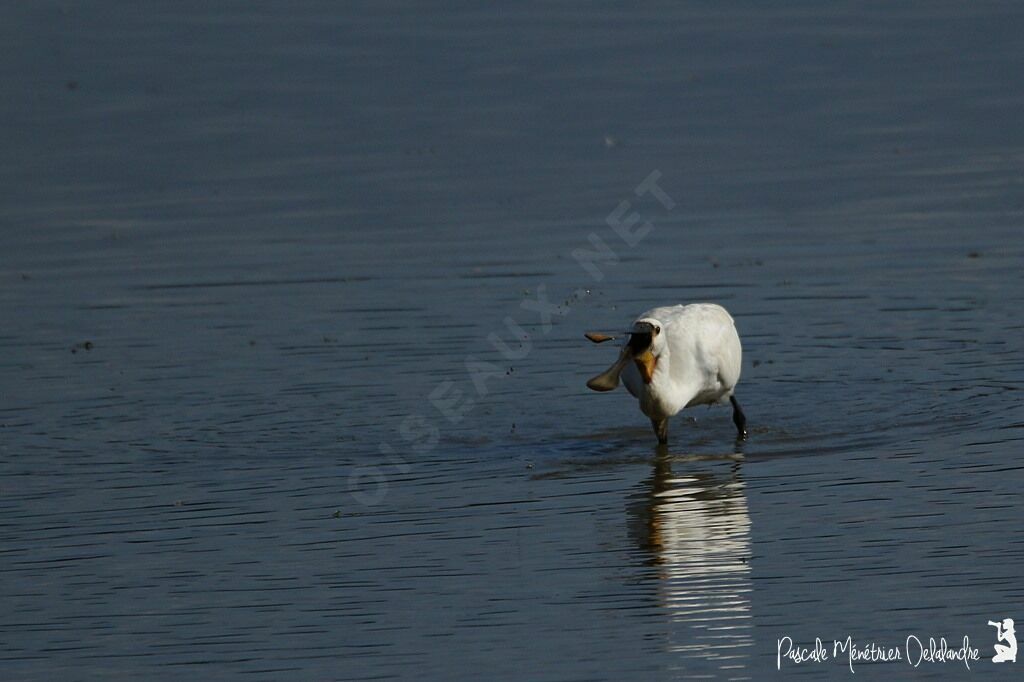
676, 357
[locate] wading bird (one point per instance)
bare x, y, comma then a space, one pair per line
675, 357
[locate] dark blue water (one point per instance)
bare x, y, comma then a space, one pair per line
253, 422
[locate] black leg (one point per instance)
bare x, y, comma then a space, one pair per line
661, 430
738, 418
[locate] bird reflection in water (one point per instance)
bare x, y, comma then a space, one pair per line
694, 528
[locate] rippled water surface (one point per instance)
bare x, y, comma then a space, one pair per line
257, 263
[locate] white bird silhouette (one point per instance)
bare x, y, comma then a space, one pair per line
676, 357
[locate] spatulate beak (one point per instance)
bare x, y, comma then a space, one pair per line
609, 379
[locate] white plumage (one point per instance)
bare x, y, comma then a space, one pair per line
677, 357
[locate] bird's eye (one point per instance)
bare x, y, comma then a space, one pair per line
657, 329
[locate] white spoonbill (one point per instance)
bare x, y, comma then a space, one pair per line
682, 355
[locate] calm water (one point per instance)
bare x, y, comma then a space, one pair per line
241, 244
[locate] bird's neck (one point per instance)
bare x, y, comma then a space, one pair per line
671, 395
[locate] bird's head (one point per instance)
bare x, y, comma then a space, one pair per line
645, 343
